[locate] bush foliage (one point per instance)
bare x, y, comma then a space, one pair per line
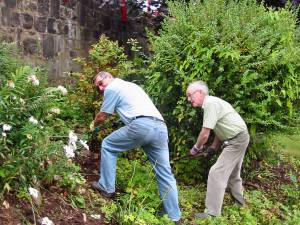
34, 129
9, 61
248, 55
105, 55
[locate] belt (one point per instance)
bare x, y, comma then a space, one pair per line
150, 117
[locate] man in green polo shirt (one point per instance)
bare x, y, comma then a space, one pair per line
230, 129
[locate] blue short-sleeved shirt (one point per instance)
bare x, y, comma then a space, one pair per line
128, 100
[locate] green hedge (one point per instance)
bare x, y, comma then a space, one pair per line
248, 55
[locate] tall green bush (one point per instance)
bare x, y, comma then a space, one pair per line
248, 55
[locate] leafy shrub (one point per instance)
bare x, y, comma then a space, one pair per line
9, 61
33, 133
248, 55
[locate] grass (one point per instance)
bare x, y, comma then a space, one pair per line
289, 143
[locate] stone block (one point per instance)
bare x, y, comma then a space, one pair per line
6, 16
65, 13
15, 19
43, 7
27, 20
54, 10
48, 46
52, 26
10, 3
91, 20
30, 46
40, 24
97, 33
73, 54
6, 38
106, 23
60, 26
85, 34
74, 44
27, 5
59, 44
73, 31
66, 29
82, 15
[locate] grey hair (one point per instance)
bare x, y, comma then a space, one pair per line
101, 74
199, 85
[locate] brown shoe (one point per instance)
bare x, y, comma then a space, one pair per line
95, 186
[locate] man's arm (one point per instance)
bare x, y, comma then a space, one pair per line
202, 138
100, 118
216, 143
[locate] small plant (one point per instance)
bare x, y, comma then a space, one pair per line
140, 202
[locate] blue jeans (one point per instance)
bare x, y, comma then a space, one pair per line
153, 137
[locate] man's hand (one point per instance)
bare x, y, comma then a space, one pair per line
194, 150
100, 118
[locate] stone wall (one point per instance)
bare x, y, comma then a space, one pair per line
55, 31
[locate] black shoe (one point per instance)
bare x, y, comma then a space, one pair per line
96, 187
179, 222
201, 215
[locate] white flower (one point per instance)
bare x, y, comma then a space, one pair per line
72, 138
10, 84
36, 82
33, 192
33, 120
55, 110
22, 101
46, 221
33, 79
62, 89
84, 144
3, 134
69, 150
96, 216
29, 136
6, 127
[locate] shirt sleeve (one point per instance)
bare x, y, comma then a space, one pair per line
210, 116
110, 101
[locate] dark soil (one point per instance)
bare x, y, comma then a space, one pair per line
58, 208
271, 178
56, 205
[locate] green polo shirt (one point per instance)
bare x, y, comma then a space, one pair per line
220, 116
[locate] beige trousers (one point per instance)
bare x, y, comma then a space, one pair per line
226, 173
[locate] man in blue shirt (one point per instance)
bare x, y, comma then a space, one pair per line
144, 126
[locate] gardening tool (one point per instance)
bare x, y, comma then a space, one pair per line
202, 153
